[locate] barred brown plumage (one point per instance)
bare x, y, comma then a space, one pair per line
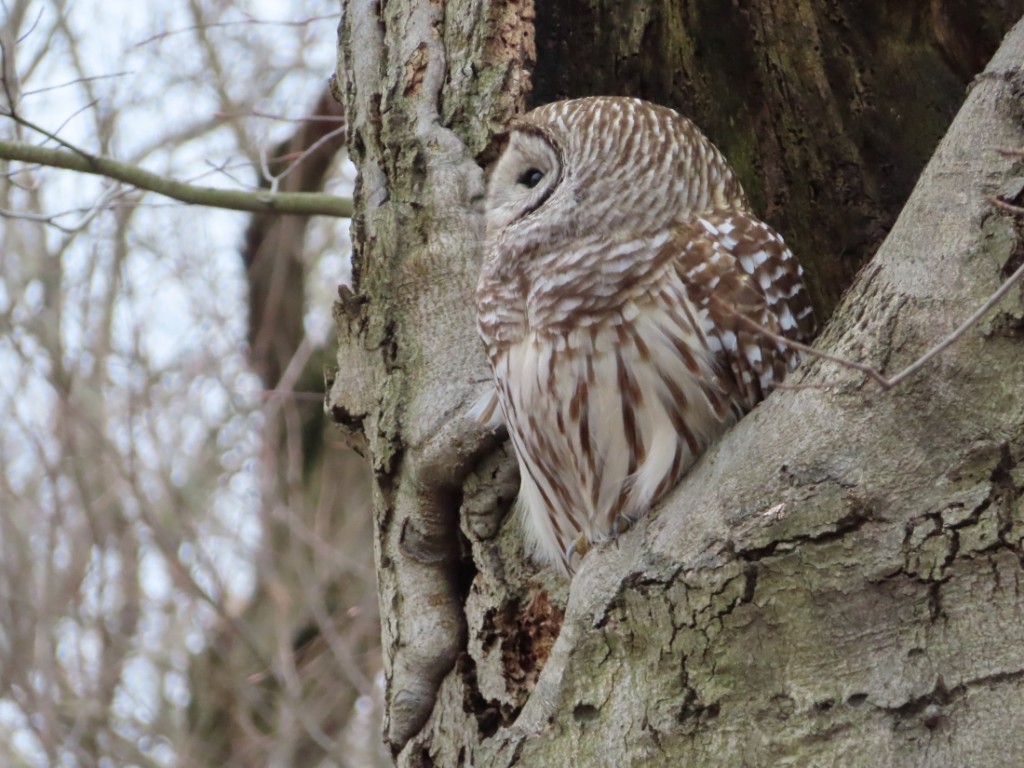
620, 255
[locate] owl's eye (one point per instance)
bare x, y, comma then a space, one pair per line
531, 177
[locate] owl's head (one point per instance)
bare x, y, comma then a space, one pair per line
603, 164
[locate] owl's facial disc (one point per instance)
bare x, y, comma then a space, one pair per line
527, 174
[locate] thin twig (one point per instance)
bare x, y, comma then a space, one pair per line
746, 322
887, 383
76, 81
13, 114
1002, 205
959, 332
297, 160
241, 22
281, 118
105, 202
31, 29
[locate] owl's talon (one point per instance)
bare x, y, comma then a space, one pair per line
620, 525
580, 546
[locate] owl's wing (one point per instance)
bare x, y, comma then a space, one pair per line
734, 266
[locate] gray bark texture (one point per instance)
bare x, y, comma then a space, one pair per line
838, 582
410, 363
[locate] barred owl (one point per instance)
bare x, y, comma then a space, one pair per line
620, 256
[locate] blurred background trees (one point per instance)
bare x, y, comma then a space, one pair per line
185, 566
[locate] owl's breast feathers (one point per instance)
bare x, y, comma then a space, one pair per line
617, 364
606, 418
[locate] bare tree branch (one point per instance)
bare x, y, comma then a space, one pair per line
299, 203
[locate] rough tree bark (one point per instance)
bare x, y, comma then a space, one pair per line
839, 581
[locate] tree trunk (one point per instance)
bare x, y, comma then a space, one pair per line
810, 593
